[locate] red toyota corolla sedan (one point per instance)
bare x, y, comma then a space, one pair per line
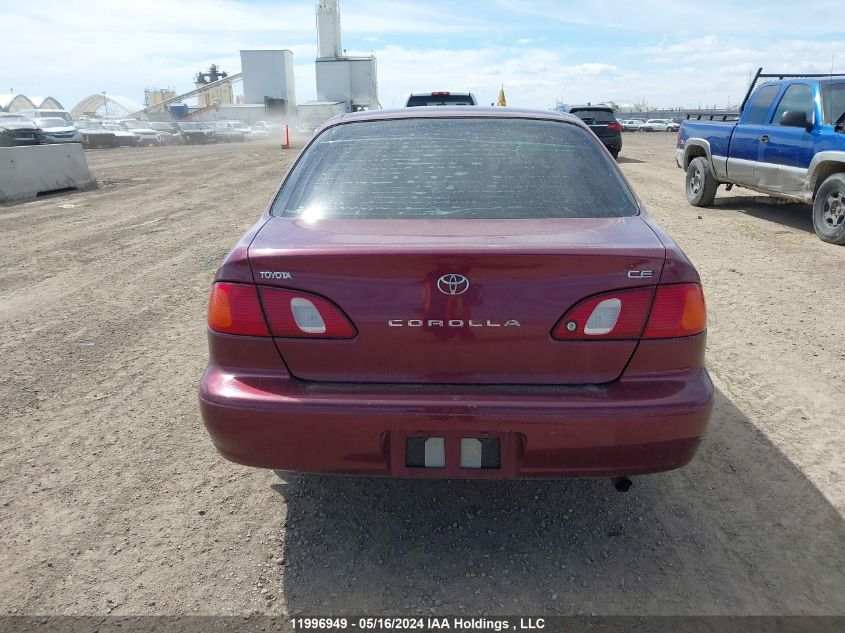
457, 292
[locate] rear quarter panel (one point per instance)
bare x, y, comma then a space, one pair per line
717, 134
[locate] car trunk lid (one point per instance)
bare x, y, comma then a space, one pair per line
522, 276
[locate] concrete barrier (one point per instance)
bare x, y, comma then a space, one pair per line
28, 171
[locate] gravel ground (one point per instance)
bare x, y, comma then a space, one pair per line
113, 499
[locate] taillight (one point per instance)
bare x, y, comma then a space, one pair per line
301, 315
235, 309
678, 310
440, 94
614, 127
614, 315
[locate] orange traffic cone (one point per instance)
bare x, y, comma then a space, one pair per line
287, 138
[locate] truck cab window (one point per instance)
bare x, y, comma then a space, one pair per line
833, 102
761, 103
798, 97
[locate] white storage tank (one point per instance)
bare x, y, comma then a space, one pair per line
268, 73
352, 80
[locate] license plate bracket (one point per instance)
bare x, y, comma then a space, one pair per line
464, 454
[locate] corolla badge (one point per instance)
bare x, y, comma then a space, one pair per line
453, 284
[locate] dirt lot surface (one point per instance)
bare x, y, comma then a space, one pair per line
112, 498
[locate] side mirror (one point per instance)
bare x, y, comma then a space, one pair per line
797, 118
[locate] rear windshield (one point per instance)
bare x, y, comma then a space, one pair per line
455, 168
833, 102
594, 116
439, 100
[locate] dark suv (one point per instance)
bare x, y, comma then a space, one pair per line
603, 123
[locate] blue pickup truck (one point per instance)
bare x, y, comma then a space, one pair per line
788, 142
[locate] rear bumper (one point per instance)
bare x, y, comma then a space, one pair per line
613, 143
631, 426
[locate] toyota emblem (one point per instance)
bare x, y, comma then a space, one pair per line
453, 284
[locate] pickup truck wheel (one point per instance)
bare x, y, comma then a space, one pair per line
829, 210
701, 183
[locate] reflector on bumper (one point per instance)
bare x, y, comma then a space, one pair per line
470, 453
435, 452
425, 452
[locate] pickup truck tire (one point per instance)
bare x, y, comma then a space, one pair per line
829, 210
701, 184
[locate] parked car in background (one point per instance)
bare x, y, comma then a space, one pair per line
196, 132
146, 135
227, 132
536, 267
18, 130
47, 113
124, 137
243, 127
603, 123
57, 130
789, 143
634, 125
269, 127
441, 98
168, 132
94, 134
662, 125
260, 132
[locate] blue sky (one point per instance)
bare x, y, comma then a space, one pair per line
663, 52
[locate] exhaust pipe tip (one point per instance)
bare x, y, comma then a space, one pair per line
622, 484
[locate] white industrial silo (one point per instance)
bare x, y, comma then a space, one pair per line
341, 78
328, 29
